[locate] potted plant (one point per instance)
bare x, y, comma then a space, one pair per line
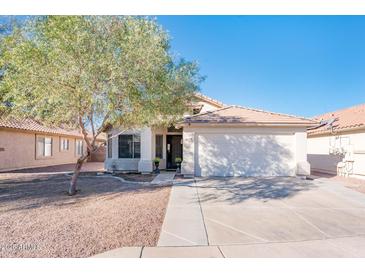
178, 161
156, 161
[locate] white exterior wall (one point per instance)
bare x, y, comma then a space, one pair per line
188, 164
302, 164
292, 140
115, 163
322, 160
206, 106
148, 150
148, 139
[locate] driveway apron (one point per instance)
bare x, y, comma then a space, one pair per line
266, 217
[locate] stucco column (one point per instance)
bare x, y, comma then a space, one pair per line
115, 145
145, 163
303, 166
111, 163
187, 166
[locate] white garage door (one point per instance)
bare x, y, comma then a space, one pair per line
245, 155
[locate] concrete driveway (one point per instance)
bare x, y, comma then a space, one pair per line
270, 217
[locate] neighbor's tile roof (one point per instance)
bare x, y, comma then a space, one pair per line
345, 119
243, 115
32, 125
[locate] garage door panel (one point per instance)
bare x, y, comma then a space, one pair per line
245, 155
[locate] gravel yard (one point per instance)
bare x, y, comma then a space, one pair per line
136, 177
38, 219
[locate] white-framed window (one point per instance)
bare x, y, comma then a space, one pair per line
44, 146
129, 146
64, 144
79, 147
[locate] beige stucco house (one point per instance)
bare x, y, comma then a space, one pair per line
28, 144
217, 140
337, 145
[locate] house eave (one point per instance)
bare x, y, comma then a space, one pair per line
251, 124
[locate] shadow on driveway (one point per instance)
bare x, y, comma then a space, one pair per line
234, 190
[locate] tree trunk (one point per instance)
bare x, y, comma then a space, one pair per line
80, 161
90, 149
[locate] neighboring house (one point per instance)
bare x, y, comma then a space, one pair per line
217, 140
337, 145
27, 144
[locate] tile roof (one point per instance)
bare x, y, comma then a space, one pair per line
343, 120
34, 126
243, 115
208, 99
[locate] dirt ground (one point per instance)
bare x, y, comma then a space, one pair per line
38, 219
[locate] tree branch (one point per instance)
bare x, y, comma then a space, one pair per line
103, 124
91, 118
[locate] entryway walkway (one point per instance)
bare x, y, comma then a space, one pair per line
163, 178
183, 224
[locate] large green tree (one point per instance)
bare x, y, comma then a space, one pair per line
93, 72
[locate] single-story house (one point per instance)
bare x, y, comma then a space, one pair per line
337, 145
28, 144
216, 140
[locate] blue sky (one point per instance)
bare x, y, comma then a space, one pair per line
303, 65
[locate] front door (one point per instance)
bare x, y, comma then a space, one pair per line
173, 149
